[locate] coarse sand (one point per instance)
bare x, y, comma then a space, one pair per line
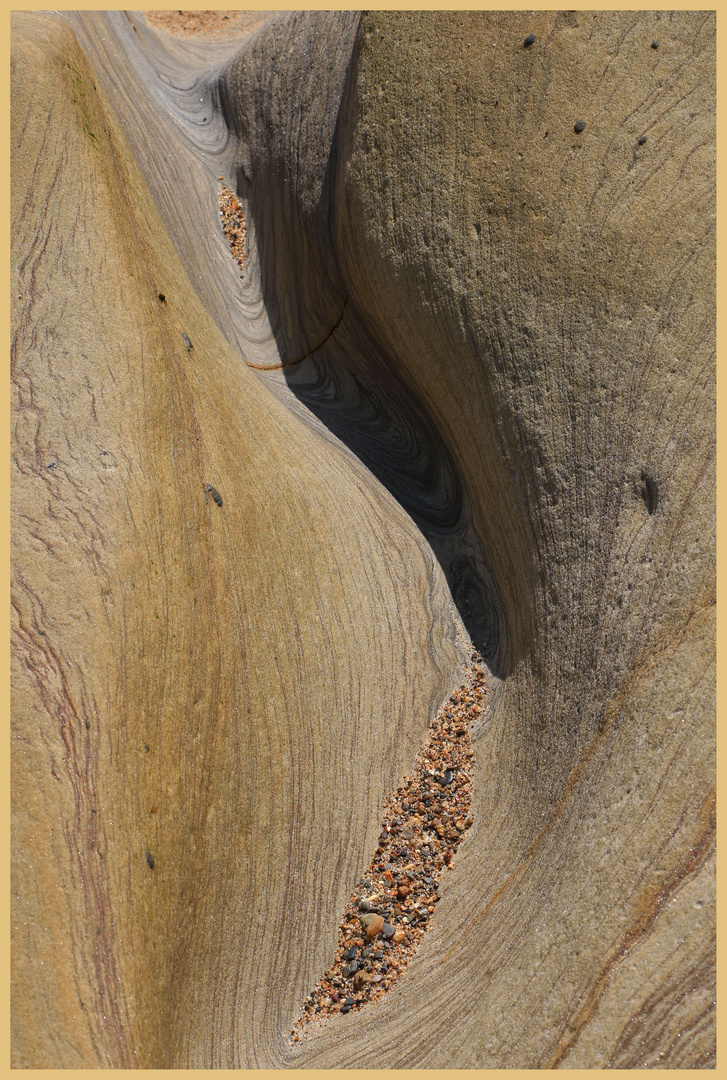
424, 822
214, 25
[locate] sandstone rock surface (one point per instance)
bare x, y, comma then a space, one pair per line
473, 357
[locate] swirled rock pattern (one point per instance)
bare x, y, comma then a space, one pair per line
471, 358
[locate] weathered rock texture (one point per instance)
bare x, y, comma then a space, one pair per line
508, 325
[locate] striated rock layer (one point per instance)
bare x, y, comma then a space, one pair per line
226, 692
481, 365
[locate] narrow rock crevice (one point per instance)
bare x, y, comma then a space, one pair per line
425, 821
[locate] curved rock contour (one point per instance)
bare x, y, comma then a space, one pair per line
488, 333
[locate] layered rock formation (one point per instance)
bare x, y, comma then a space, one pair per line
473, 358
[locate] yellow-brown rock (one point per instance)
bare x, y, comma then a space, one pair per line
482, 362
235, 666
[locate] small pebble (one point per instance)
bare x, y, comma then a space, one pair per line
642, 140
655, 44
579, 126
529, 40
349, 954
375, 926
150, 860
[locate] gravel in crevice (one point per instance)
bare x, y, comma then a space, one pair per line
425, 821
233, 222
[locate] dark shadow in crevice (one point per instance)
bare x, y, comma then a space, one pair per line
330, 356
349, 385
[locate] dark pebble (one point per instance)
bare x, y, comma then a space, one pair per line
349, 954
162, 297
529, 40
579, 126
345, 1009
378, 955
655, 44
366, 953
146, 746
350, 970
349, 1002
428, 880
642, 140
388, 930
150, 860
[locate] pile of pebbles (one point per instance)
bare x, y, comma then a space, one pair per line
425, 821
233, 222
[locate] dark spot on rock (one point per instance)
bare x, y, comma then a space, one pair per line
209, 490
529, 40
579, 126
649, 491
150, 860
